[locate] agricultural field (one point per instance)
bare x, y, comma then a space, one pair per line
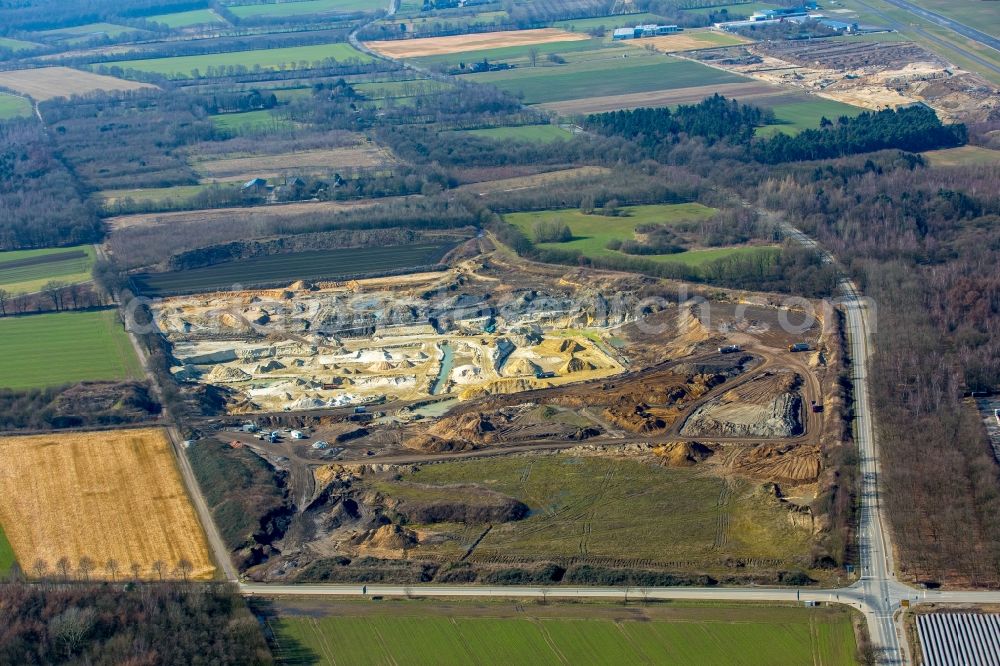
74, 347
363, 155
691, 40
50, 82
17, 45
532, 133
108, 495
26, 271
7, 559
519, 55
592, 233
188, 19
435, 46
155, 195
748, 91
964, 156
83, 32
251, 121
182, 67
610, 509
286, 268
607, 22
597, 78
484, 632
12, 106
794, 116
301, 7
740, 9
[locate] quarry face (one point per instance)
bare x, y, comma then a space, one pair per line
450, 334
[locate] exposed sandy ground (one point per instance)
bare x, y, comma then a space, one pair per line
271, 166
249, 215
429, 46
235, 339
110, 494
50, 82
752, 89
689, 41
529, 182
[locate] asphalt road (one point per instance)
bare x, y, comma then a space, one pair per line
951, 24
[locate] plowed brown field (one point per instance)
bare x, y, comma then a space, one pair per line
430, 46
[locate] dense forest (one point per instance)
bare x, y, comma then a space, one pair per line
142, 624
914, 128
39, 201
924, 244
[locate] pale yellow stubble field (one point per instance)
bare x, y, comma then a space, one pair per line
102, 495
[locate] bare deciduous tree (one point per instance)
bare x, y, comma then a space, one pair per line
136, 570
40, 567
85, 565
63, 566
184, 567
158, 568
112, 567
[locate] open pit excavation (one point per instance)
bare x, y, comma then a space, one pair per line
467, 424
362, 343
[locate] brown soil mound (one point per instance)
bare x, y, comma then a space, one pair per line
788, 464
682, 454
521, 366
575, 364
387, 537
381, 366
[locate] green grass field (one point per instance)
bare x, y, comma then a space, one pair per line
251, 121
432, 633
187, 19
159, 196
12, 106
90, 30
532, 133
793, 117
605, 77
984, 16
517, 54
7, 558
743, 9
180, 67
17, 45
281, 268
301, 7
964, 156
609, 22
25, 271
591, 233
609, 508
64, 348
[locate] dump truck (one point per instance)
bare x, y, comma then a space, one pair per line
799, 347
729, 349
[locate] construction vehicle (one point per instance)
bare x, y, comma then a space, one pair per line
729, 349
799, 347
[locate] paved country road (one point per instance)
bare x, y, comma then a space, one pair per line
943, 21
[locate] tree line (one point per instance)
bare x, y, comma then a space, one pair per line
915, 128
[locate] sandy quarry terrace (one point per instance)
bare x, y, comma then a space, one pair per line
431, 46
51, 82
312, 347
